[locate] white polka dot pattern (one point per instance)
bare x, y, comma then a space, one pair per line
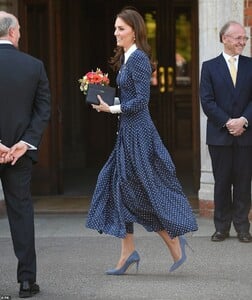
138, 183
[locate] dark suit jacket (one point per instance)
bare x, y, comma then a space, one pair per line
221, 101
24, 98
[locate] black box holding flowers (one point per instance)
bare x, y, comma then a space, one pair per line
106, 92
97, 83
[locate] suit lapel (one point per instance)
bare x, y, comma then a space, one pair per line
224, 71
241, 74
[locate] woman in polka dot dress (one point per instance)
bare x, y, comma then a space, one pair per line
138, 183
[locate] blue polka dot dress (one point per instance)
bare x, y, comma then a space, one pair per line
138, 183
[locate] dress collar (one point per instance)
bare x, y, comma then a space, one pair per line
129, 52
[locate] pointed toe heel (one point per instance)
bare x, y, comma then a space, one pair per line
178, 263
134, 258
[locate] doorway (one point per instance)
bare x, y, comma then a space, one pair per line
88, 137
173, 33
74, 37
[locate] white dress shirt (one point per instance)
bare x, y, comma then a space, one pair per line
236, 61
226, 57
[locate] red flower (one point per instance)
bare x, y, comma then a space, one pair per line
97, 77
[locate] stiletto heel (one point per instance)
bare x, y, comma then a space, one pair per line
178, 263
134, 258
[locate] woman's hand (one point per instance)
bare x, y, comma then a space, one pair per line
103, 106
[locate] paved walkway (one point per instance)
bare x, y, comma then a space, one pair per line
72, 261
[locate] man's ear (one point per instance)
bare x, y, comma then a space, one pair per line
11, 32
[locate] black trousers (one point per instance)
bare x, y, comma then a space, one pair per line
16, 187
232, 170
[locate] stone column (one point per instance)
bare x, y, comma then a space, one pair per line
212, 15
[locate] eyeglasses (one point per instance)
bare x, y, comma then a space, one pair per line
239, 38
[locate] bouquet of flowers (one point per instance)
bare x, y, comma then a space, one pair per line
97, 77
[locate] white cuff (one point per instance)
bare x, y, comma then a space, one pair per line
245, 120
30, 147
116, 100
115, 109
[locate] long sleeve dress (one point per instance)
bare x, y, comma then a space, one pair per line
138, 182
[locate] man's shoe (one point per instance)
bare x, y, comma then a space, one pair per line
244, 237
28, 289
219, 236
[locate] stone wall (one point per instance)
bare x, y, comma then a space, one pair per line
248, 20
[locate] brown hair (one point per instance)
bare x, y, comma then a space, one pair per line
132, 18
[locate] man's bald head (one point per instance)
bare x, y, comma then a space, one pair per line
9, 28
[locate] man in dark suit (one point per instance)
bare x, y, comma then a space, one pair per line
226, 98
24, 114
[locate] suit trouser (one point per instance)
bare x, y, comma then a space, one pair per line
232, 169
16, 187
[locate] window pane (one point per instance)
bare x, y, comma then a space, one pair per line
183, 48
151, 26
